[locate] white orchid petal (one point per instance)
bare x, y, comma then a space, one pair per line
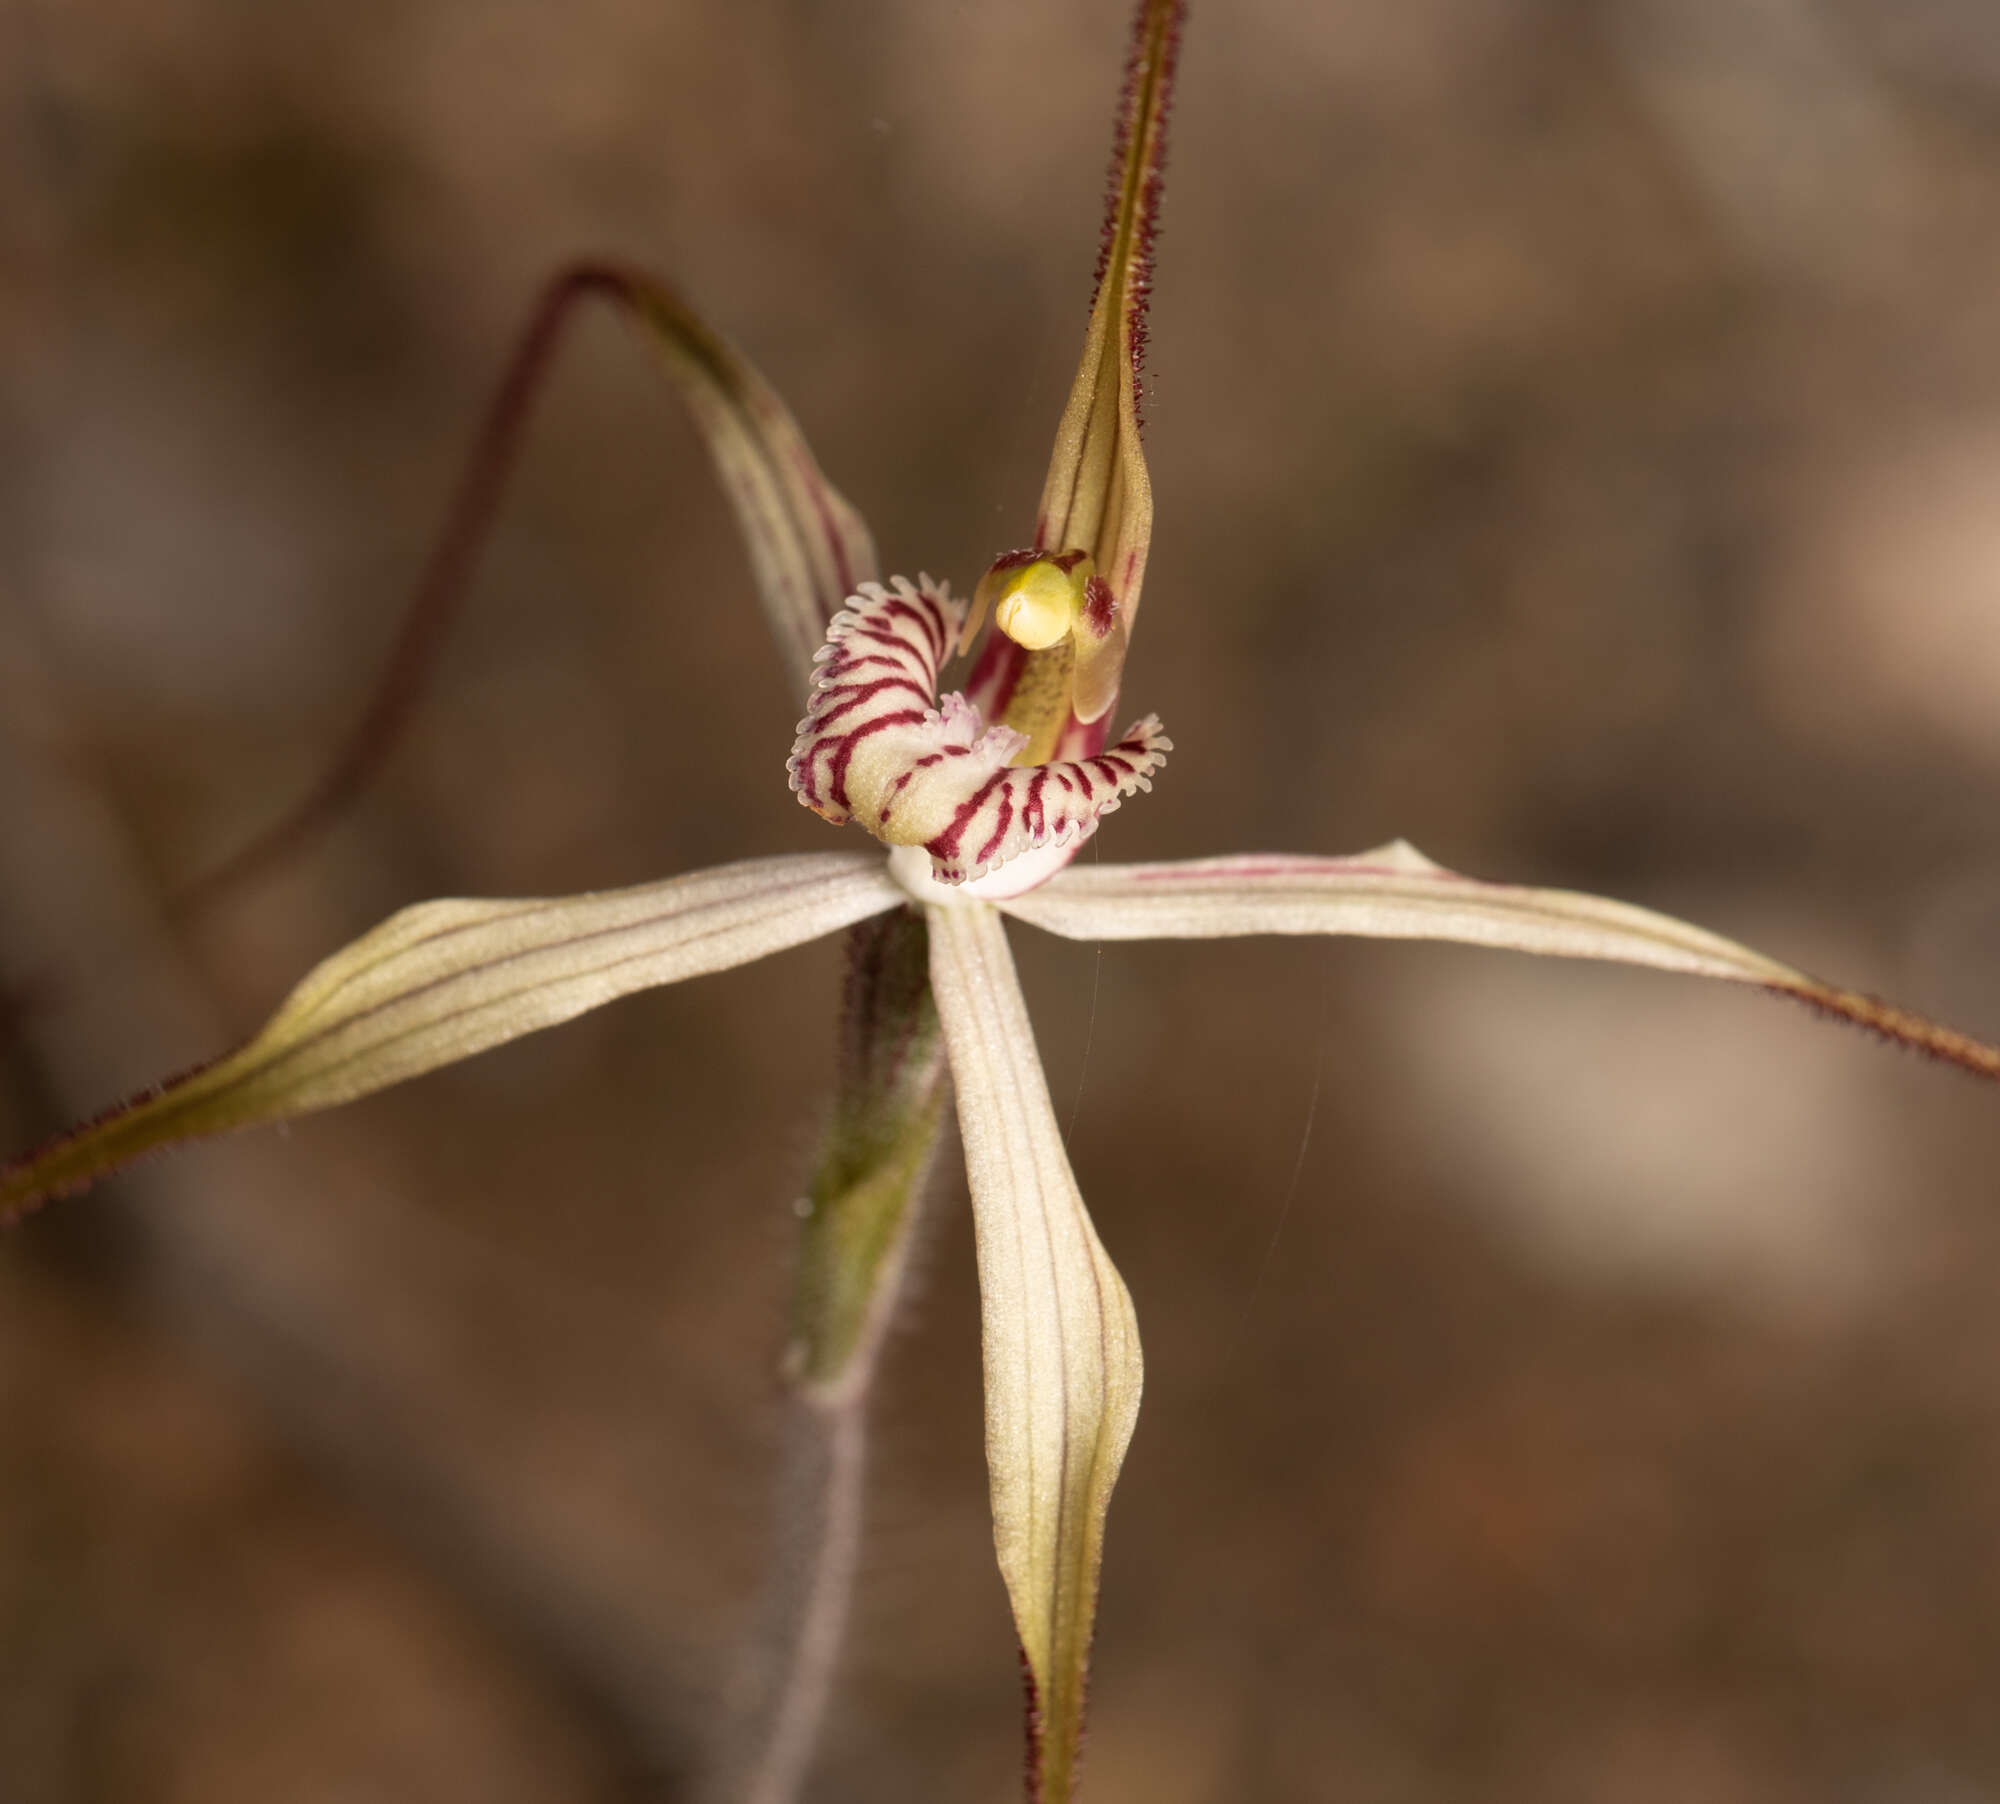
1395, 892
1060, 1342
444, 980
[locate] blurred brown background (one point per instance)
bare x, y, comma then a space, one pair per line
1577, 446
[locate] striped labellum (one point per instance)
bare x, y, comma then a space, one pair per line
877, 746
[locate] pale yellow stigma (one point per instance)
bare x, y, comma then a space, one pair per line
1039, 603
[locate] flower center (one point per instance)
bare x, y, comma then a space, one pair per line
1038, 605
878, 747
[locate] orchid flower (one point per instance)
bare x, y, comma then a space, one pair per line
982, 794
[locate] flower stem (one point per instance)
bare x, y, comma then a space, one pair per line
804, 1612
857, 1220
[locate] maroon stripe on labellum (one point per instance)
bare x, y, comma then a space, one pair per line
881, 636
844, 755
998, 836
919, 774
881, 655
860, 696
1024, 807
844, 665
1033, 816
925, 763
936, 636
896, 608
945, 845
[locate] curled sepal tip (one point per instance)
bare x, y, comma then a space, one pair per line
877, 746
1059, 1340
444, 980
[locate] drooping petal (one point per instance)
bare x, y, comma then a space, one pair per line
876, 746
444, 980
1394, 892
809, 549
1060, 1342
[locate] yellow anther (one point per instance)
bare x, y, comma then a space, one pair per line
1038, 604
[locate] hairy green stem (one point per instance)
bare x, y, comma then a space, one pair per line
857, 1219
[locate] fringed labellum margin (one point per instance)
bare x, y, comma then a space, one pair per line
877, 747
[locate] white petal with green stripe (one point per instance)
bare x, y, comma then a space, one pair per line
1060, 1343
444, 980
